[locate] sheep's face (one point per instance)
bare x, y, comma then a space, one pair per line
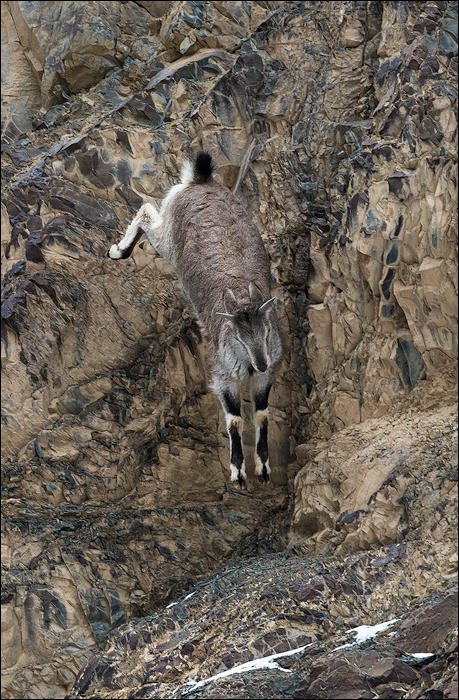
251, 326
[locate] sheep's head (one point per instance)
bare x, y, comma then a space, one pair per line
250, 322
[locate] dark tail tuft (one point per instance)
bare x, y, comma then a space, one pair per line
203, 169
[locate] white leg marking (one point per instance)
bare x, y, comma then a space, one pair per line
114, 252
148, 218
234, 472
259, 418
259, 466
235, 421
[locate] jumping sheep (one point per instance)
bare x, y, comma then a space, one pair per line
203, 231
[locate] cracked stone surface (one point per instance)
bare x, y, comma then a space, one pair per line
337, 124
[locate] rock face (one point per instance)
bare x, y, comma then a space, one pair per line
336, 123
214, 643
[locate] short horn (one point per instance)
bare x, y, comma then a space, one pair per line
266, 304
229, 301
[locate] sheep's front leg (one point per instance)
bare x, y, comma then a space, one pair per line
229, 397
146, 221
261, 386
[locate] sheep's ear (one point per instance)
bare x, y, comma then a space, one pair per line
267, 305
255, 293
229, 299
229, 317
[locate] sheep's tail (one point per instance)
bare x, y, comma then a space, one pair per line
199, 172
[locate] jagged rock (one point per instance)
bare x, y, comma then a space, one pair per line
336, 124
431, 626
20, 91
156, 8
73, 45
216, 641
189, 25
366, 486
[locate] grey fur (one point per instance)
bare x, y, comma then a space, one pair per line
223, 267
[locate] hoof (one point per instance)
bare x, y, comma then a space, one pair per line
264, 476
241, 482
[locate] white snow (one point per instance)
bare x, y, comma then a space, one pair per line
362, 634
421, 656
365, 632
265, 662
343, 646
171, 605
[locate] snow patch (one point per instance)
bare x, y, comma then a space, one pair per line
365, 632
421, 656
264, 662
171, 605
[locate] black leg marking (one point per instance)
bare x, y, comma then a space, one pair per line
232, 407
126, 253
262, 445
237, 456
261, 398
231, 404
262, 450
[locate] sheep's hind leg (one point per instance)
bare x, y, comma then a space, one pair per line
231, 403
146, 221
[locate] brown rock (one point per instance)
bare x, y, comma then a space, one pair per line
340, 680
309, 590
431, 627
156, 9
332, 504
20, 92
391, 670
336, 123
73, 46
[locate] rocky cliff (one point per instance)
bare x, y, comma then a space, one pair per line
337, 124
